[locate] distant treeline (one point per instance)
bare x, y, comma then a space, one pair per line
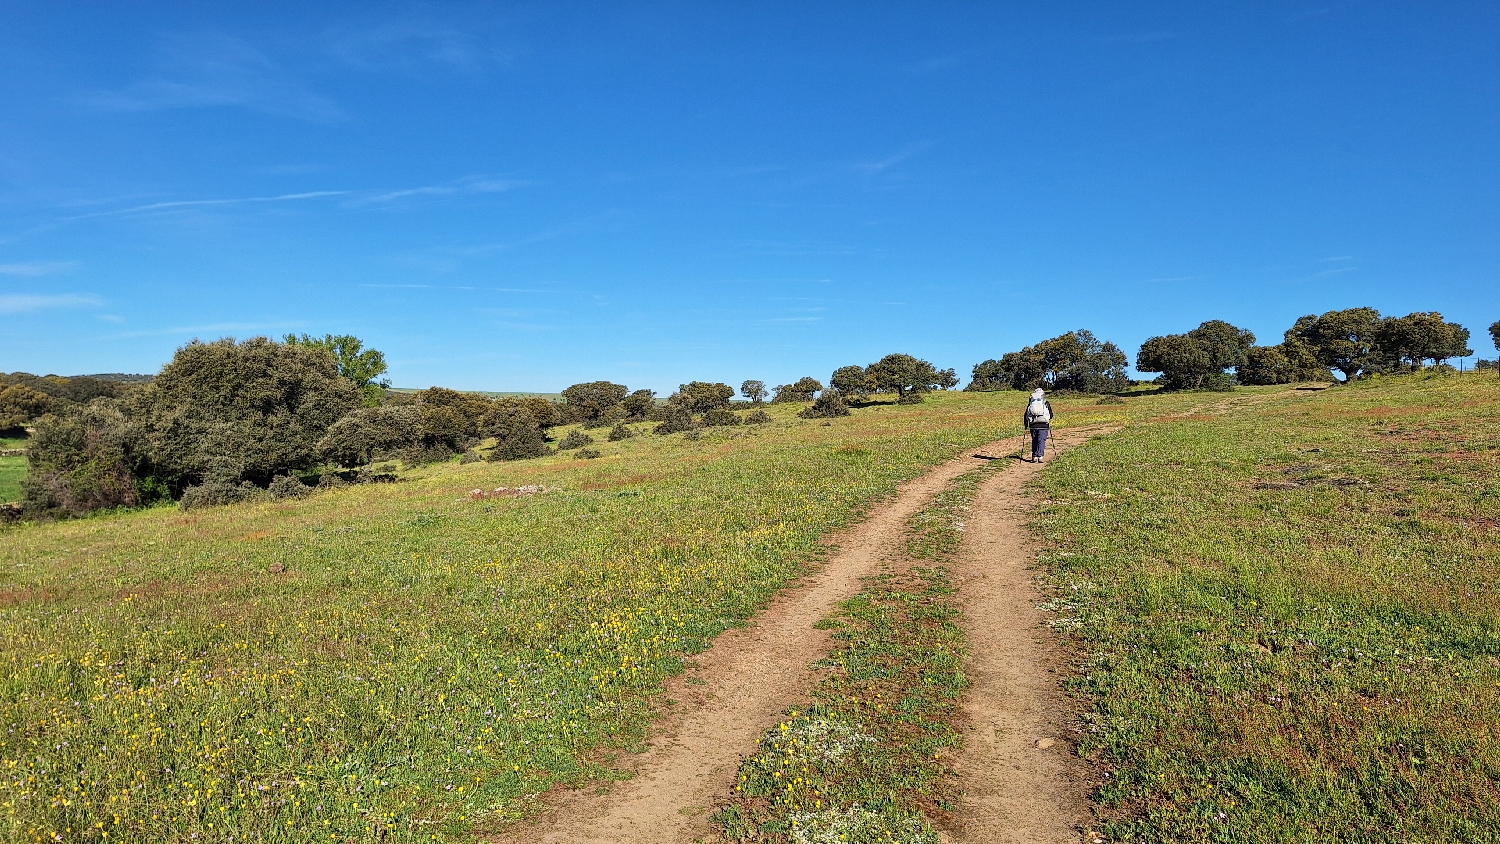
234, 421
1356, 342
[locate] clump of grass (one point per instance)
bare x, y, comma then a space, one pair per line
935, 532
861, 764
1286, 615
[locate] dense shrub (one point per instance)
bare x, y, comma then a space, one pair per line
371, 433
620, 431
80, 461
1186, 361
264, 405
21, 405
575, 439
702, 396
639, 405
674, 419
544, 414
516, 434
219, 493
1288, 363
362, 367
587, 402
801, 390
852, 382
720, 416
828, 405
757, 417
284, 487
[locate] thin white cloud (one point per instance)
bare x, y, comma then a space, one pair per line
37, 268
469, 185
214, 70
454, 287
883, 164
408, 45
21, 303
181, 204
460, 187
1335, 271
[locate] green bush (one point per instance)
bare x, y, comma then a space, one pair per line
620, 431
639, 405
21, 405
371, 433
828, 405
575, 439
702, 396
284, 487
720, 416
516, 434
80, 461
757, 417
587, 402
265, 405
674, 419
800, 390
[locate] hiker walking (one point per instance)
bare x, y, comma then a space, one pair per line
1038, 420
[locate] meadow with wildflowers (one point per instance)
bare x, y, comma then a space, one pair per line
407, 662
1286, 616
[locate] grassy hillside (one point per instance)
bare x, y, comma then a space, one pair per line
12, 470
1287, 616
426, 660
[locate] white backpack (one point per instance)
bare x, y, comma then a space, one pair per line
1037, 411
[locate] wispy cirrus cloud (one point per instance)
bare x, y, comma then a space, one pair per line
185, 204
410, 45
460, 187
37, 268
466, 186
22, 303
202, 70
882, 164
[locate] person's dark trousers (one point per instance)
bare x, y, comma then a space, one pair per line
1038, 443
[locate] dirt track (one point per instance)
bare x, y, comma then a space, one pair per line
1016, 767
749, 676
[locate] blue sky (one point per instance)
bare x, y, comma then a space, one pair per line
519, 197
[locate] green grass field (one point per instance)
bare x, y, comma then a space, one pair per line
1283, 608
1286, 617
426, 661
12, 470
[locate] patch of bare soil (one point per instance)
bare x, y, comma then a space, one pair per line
1019, 776
742, 683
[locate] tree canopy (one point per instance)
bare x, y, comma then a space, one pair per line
363, 367
1074, 361
590, 401
1198, 358
261, 406
909, 377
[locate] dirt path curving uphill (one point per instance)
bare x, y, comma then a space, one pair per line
1020, 780
743, 683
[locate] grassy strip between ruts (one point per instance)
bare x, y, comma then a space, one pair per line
1287, 616
863, 762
